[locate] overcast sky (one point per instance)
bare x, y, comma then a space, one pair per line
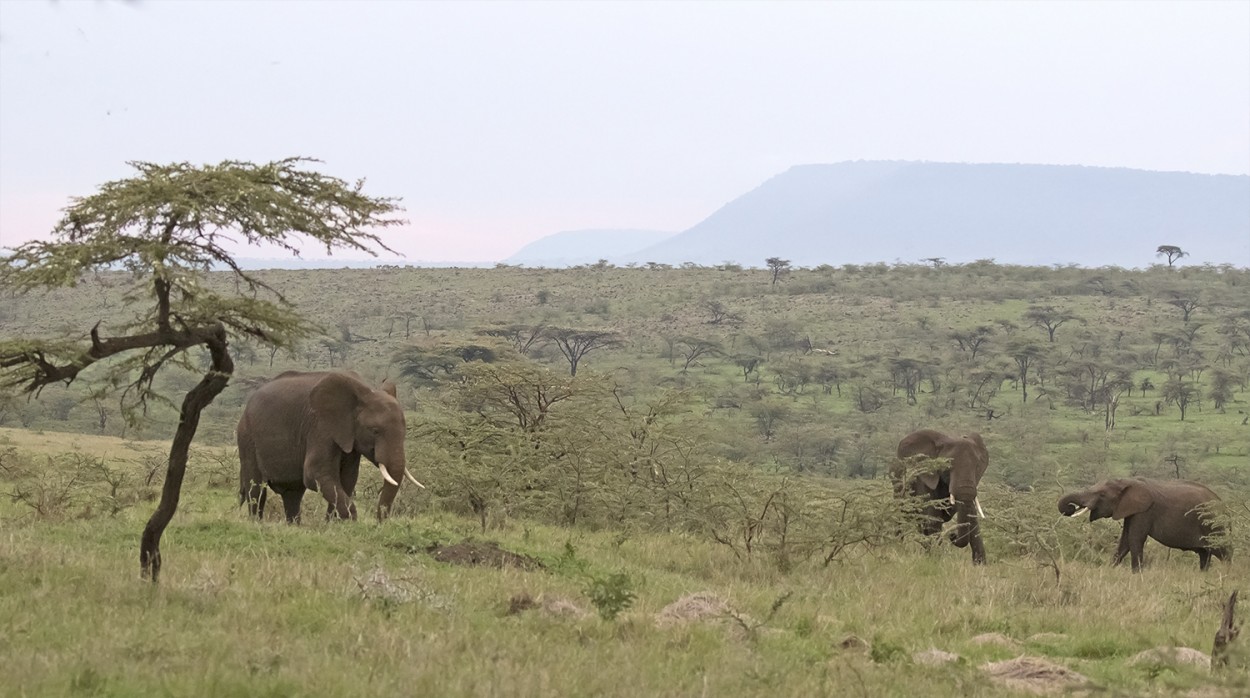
499, 123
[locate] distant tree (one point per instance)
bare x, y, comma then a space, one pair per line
576, 344
1221, 389
428, 366
1181, 393
935, 262
694, 348
749, 363
1027, 356
1171, 252
778, 266
768, 415
166, 227
719, 313
522, 337
972, 340
1186, 305
1048, 318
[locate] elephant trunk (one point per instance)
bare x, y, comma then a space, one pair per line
392, 465
1071, 505
967, 521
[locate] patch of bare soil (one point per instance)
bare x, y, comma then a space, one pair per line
1034, 675
477, 553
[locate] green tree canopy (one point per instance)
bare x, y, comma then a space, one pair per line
168, 226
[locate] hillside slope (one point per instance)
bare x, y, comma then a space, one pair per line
863, 212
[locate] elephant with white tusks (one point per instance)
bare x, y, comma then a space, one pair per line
950, 489
308, 431
1167, 510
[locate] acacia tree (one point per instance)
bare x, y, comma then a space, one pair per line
576, 344
779, 267
1171, 252
1048, 318
166, 228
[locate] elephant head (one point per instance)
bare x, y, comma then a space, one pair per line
1113, 499
965, 460
368, 422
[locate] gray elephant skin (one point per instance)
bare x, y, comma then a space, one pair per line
1165, 510
950, 490
308, 431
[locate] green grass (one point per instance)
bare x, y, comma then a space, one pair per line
361, 609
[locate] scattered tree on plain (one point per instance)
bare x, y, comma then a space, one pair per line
167, 228
1171, 252
778, 266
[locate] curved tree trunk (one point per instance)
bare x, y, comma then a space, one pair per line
193, 404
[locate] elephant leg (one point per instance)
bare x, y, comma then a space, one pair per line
1122, 549
1137, 529
977, 544
1204, 558
336, 497
349, 473
292, 495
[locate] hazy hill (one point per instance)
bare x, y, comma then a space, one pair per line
858, 212
573, 247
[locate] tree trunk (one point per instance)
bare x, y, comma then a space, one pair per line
193, 404
1225, 636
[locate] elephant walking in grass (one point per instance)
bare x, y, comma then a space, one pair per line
949, 488
308, 431
1166, 510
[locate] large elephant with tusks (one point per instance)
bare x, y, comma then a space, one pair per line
308, 431
949, 488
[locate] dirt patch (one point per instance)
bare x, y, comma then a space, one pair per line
1034, 675
477, 553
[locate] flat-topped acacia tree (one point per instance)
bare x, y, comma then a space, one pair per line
168, 227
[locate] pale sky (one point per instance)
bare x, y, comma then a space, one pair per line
499, 123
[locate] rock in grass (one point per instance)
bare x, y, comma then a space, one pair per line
1174, 656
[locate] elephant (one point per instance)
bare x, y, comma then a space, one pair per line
309, 430
1161, 509
950, 490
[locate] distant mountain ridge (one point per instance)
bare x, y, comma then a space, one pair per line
574, 247
886, 211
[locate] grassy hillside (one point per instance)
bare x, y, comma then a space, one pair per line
732, 443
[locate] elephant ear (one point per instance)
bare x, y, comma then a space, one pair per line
1133, 498
389, 388
976, 447
925, 442
930, 480
333, 402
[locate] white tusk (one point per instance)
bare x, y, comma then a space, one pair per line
414, 480
952, 499
980, 511
1080, 511
387, 476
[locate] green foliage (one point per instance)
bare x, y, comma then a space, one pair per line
611, 594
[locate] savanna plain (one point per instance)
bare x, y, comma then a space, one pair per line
661, 481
